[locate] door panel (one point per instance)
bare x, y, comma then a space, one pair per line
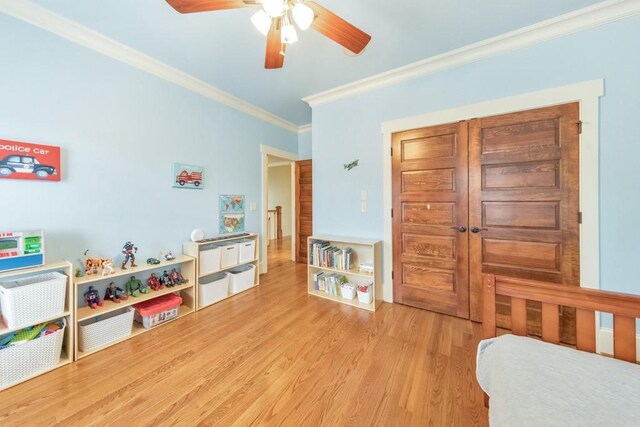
429, 203
304, 208
523, 195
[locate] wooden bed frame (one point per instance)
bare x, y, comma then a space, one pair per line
624, 307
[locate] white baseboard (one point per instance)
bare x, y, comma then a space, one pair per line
605, 342
263, 267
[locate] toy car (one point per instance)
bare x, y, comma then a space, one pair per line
153, 261
24, 164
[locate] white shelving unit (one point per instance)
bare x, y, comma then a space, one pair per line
196, 249
364, 251
65, 268
185, 264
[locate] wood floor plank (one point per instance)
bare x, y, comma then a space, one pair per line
270, 356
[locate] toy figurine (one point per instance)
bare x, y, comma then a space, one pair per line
114, 293
135, 287
176, 277
165, 279
107, 267
94, 265
92, 298
153, 261
129, 251
169, 256
154, 282
79, 272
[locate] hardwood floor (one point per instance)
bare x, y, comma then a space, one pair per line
271, 356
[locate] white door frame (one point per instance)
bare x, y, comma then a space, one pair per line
267, 150
588, 95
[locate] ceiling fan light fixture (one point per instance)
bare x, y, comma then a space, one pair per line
303, 15
289, 34
274, 8
261, 21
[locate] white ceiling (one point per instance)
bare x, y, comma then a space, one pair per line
223, 49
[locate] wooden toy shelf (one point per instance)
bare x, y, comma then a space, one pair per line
65, 268
187, 291
364, 251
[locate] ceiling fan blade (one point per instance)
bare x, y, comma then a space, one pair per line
275, 48
337, 29
189, 6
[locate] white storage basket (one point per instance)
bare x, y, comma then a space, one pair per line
247, 250
100, 331
31, 299
242, 278
209, 259
23, 361
213, 289
229, 255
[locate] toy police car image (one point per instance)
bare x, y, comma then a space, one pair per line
24, 164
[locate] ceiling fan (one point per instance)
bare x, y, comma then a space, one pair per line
276, 18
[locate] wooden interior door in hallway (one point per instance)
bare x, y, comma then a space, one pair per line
515, 177
304, 208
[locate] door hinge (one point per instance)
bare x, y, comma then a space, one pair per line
579, 217
391, 212
579, 127
391, 274
391, 151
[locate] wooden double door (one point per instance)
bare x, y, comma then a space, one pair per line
496, 195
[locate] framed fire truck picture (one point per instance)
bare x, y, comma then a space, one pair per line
187, 176
22, 160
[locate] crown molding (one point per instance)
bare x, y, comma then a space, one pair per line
579, 20
45, 19
304, 128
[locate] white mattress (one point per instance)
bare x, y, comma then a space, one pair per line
533, 383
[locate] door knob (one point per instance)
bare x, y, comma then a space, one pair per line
461, 229
477, 230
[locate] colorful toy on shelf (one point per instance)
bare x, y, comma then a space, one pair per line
79, 272
153, 261
114, 293
168, 256
95, 265
30, 333
129, 250
92, 298
176, 277
154, 282
135, 287
165, 279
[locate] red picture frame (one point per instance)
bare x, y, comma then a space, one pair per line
23, 160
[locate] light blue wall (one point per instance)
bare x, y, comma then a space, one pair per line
350, 128
304, 146
120, 129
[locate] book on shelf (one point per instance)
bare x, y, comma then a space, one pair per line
365, 268
322, 254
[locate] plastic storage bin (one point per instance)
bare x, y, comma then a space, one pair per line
365, 295
158, 310
229, 254
213, 289
20, 362
247, 250
242, 278
348, 291
102, 330
31, 299
209, 259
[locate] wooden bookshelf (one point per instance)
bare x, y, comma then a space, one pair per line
366, 251
187, 291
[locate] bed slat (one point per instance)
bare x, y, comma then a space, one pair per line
586, 330
489, 306
519, 316
550, 323
624, 338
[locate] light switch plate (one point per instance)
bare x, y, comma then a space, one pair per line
363, 206
363, 195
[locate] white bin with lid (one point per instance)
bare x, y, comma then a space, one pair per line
228, 254
242, 278
247, 250
213, 288
209, 259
